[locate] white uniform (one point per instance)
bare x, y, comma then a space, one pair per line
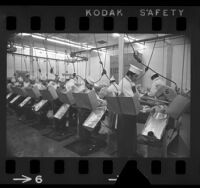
26, 84
9, 87
51, 83
125, 87
114, 89
70, 84
40, 86
155, 86
127, 124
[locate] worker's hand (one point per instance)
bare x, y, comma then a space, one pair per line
160, 108
102, 102
164, 109
138, 86
149, 94
156, 109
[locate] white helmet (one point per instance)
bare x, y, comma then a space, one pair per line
62, 79
20, 79
90, 80
112, 79
32, 78
37, 80
103, 92
43, 78
13, 80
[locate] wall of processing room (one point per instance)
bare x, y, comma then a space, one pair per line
84, 68
167, 60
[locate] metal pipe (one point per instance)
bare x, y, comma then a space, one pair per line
152, 99
45, 57
128, 43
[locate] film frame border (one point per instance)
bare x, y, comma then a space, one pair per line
181, 25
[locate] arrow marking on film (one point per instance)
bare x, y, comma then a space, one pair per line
24, 179
113, 179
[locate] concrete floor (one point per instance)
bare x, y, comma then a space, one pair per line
25, 141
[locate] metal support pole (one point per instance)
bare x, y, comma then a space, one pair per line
31, 60
121, 56
169, 64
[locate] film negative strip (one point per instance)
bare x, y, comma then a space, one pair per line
77, 43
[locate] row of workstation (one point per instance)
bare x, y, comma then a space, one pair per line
84, 111
68, 109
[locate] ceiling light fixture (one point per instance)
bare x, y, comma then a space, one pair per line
66, 43
63, 42
23, 34
38, 37
18, 47
116, 35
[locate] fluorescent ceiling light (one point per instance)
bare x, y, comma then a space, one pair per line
66, 43
116, 35
63, 55
18, 47
78, 44
66, 40
23, 34
38, 37
129, 39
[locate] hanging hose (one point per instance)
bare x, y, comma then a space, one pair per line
86, 63
48, 62
25, 63
187, 68
77, 66
146, 69
21, 59
74, 67
152, 53
47, 72
65, 63
155, 71
70, 50
39, 70
103, 71
163, 56
24, 57
33, 50
103, 67
106, 52
14, 64
57, 65
183, 66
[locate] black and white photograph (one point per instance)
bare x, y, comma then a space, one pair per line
98, 95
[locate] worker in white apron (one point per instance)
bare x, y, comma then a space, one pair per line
113, 88
157, 81
126, 127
